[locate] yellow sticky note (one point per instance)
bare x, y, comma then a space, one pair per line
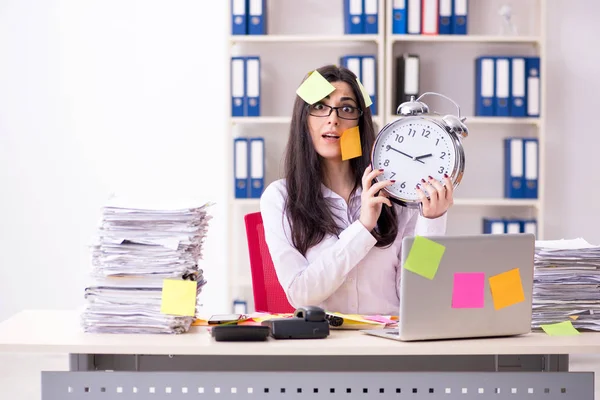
350, 143
424, 257
178, 297
507, 288
314, 88
561, 329
573, 317
365, 94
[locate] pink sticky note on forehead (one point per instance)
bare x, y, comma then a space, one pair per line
468, 290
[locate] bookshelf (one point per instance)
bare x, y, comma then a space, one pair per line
292, 48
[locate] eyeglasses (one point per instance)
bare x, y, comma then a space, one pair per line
343, 112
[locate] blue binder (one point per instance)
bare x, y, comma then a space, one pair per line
353, 17
257, 17
238, 17
517, 87
493, 226
240, 168
531, 155
257, 167
502, 94
369, 79
485, 86
354, 63
513, 168
253, 86
532, 65
399, 17
371, 19
512, 226
529, 226
445, 21
238, 86
459, 17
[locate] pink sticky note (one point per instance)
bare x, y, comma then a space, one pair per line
468, 290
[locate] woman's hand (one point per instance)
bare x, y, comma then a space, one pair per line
371, 203
440, 197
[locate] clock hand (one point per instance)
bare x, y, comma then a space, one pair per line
388, 147
423, 156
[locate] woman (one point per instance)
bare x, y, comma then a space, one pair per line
334, 240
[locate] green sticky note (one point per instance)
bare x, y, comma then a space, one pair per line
424, 257
314, 88
365, 94
565, 328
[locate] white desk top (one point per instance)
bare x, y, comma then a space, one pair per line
59, 332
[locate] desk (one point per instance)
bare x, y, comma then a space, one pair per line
348, 364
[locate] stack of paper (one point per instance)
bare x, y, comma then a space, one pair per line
567, 283
145, 273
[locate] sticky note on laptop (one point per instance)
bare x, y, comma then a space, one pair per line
468, 290
424, 257
178, 297
314, 88
565, 328
507, 289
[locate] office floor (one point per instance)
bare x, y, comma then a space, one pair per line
20, 373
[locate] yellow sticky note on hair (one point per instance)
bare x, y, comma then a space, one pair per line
424, 257
365, 94
561, 329
178, 297
507, 288
350, 143
314, 88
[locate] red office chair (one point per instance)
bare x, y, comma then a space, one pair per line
268, 293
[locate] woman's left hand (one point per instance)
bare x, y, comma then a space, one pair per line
440, 197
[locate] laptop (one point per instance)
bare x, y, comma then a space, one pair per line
461, 301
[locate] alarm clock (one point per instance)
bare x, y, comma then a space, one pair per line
416, 145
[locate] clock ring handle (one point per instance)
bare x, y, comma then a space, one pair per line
447, 98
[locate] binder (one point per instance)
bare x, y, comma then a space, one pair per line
517, 87
399, 17
459, 17
371, 20
513, 226
253, 86
353, 63
257, 167
493, 226
513, 168
238, 17
238, 87
532, 64
353, 17
257, 21
429, 17
240, 168
531, 168
407, 78
529, 226
369, 80
445, 17
413, 21
502, 86
484, 86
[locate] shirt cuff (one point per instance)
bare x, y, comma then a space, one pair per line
431, 226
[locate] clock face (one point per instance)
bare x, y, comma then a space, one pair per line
412, 149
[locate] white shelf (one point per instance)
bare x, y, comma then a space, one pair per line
476, 202
325, 39
465, 39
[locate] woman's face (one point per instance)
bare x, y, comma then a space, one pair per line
326, 131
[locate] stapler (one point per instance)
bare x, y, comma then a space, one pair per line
307, 323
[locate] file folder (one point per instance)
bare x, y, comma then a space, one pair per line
430, 17
407, 78
353, 17
240, 167
533, 86
459, 17
253, 86
517, 87
399, 16
502, 86
369, 80
257, 167
493, 226
371, 20
529, 226
513, 168
445, 17
238, 17
257, 21
353, 63
513, 226
238, 87
413, 20
484, 86
531, 168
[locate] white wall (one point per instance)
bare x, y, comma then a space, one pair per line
102, 96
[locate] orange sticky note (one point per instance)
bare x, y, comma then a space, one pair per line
350, 143
574, 317
178, 297
507, 288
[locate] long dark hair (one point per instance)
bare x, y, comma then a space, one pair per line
306, 208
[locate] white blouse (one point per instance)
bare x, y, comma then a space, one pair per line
346, 274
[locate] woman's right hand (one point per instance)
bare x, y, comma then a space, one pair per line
371, 203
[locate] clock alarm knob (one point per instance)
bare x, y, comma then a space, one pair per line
456, 125
412, 107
